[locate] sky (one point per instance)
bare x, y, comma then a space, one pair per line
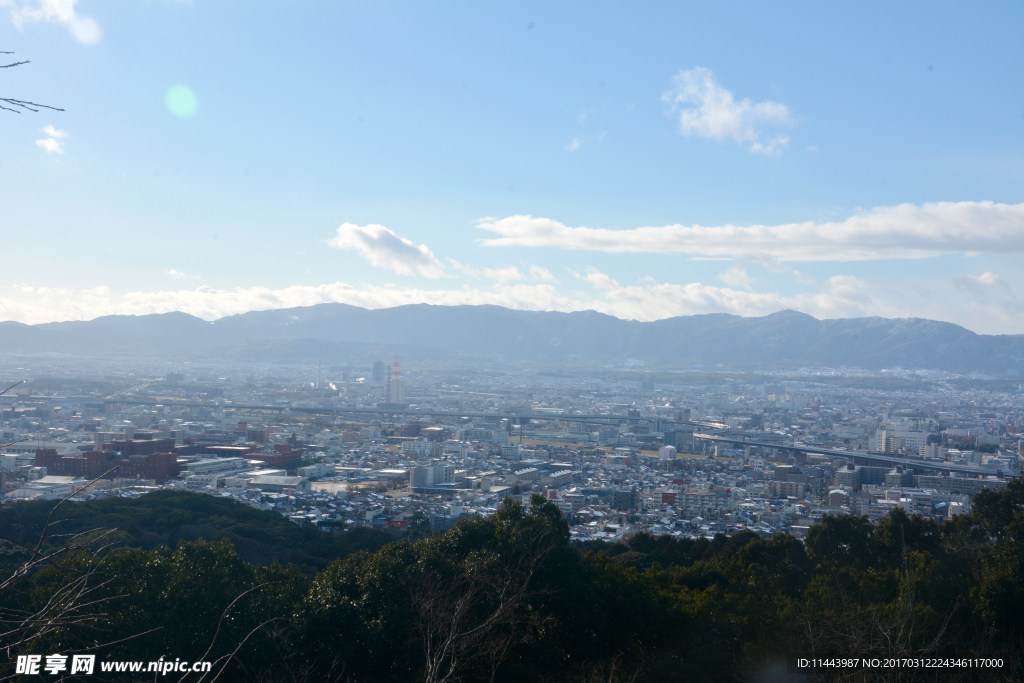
645, 160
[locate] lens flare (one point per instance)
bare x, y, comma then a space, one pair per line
181, 101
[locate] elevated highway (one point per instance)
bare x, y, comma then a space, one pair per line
377, 411
882, 459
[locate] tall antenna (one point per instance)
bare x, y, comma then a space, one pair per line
319, 374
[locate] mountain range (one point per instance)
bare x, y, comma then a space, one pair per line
343, 333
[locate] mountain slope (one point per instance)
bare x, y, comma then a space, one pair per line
338, 332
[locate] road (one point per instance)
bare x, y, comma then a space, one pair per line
881, 458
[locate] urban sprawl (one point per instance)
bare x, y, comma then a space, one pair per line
619, 452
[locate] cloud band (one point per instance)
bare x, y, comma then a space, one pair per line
890, 232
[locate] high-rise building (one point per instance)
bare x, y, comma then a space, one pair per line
394, 390
626, 499
432, 475
898, 476
378, 376
680, 437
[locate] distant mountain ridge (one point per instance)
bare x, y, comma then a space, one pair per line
340, 332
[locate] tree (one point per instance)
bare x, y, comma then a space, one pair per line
199, 598
841, 541
469, 611
418, 526
445, 607
72, 603
16, 105
996, 510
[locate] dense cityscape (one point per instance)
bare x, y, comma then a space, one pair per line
619, 451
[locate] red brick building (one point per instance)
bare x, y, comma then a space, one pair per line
109, 465
284, 457
229, 451
140, 446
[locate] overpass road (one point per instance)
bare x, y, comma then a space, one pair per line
881, 458
391, 410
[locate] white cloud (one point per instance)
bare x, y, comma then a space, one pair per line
178, 275
541, 274
583, 138
773, 266
986, 279
888, 232
57, 11
86, 30
384, 249
992, 296
45, 304
506, 273
737, 277
598, 280
54, 142
463, 268
838, 297
51, 146
83, 28
708, 110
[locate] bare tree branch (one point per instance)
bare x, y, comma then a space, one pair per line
24, 104
228, 608
72, 605
15, 105
63, 500
473, 611
228, 657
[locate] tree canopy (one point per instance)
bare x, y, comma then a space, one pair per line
510, 598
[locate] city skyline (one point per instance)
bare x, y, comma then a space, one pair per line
645, 162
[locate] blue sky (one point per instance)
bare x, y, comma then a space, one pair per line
641, 159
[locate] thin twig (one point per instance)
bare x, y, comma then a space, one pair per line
64, 500
235, 652
24, 104
225, 613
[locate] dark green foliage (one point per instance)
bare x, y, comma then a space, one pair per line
418, 526
997, 511
200, 601
170, 517
841, 542
514, 600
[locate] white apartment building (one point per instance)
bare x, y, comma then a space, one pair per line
217, 466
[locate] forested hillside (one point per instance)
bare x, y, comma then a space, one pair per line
168, 517
509, 598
